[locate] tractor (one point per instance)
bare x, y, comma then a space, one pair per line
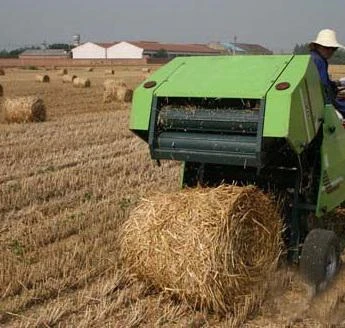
259, 120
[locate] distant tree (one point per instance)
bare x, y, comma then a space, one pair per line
64, 46
301, 49
14, 53
337, 59
161, 53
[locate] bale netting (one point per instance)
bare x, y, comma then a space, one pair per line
81, 83
23, 109
42, 78
211, 247
68, 78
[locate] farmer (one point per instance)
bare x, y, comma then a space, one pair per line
321, 50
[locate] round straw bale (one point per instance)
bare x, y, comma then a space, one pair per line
2, 71
109, 72
1, 91
110, 93
68, 78
23, 109
110, 90
210, 247
146, 70
62, 71
124, 94
144, 76
81, 83
89, 69
42, 78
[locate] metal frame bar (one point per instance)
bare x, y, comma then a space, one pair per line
152, 126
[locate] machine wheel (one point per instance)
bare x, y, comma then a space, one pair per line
320, 258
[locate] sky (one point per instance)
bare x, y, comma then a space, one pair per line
275, 24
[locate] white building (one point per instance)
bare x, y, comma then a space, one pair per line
90, 50
138, 50
124, 50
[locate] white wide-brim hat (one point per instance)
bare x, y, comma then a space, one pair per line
327, 38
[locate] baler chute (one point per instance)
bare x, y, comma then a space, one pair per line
252, 120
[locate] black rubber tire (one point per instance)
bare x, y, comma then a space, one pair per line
320, 258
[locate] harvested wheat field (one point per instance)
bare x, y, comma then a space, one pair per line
68, 186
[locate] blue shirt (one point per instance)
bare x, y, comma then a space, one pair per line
329, 86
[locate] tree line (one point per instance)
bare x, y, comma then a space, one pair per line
16, 52
337, 59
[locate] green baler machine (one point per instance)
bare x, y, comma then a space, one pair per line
253, 120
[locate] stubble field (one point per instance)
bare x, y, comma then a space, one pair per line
66, 185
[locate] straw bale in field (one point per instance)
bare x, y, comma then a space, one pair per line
42, 78
1, 91
89, 69
124, 94
110, 91
68, 78
146, 70
109, 72
111, 88
2, 71
62, 71
144, 76
211, 247
81, 83
23, 109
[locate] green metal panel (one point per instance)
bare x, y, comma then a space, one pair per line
207, 76
224, 76
332, 182
142, 98
295, 113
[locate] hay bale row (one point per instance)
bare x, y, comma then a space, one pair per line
209, 247
62, 72
81, 83
23, 109
68, 78
43, 78
116, 91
